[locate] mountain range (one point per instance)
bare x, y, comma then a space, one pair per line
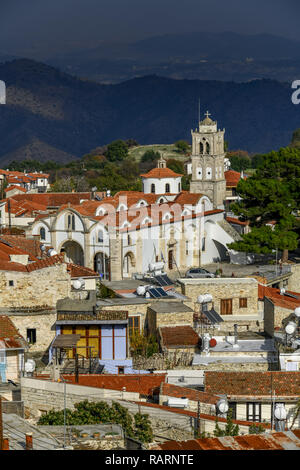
51, 115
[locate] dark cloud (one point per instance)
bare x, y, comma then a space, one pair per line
59, 24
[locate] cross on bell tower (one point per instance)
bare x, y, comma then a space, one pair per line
208, 155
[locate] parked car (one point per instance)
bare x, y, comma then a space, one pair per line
198, 272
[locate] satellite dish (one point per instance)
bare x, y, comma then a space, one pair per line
77, 284
43, 248
290, 328
200, 299
141, 290
52, 252
222, 406
94, 188
297, 312
29, 365
282, 291
280, 412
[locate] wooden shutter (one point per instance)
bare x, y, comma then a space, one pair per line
226, 307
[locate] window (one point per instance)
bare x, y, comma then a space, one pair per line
10, 283
152, 188
186, 248
226, 307
42, 233
243, 302
31, 335
167, 188
121, 370
203, 243
232, 407
133, 325
128, 240
179, 187
71, 222
254, 412
100, 236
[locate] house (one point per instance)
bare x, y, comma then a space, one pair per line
253, 396
12, 349
193, 398
235, 300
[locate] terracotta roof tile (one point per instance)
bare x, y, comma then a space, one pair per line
161, 173
179, 336
279, 300
253, 383
144, 384
183, 392
232, 178
9, 334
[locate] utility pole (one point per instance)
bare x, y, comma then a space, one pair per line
199, 422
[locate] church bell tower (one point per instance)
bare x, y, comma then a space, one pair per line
208, 155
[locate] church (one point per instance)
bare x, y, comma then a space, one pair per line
123, 235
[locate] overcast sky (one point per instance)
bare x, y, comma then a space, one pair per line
58, 23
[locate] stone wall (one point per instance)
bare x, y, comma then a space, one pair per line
294, 279
39, 288
224, 288
43, 322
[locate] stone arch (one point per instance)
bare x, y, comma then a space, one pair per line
102, 265
129, 264
74, 252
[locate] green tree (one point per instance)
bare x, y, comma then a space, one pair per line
271, 194
295, 143
256, 429
116, 151
85, 412
175, 165
150, 156
230, 429
182, 146
142, 345
239, 160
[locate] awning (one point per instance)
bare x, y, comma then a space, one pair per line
65, 341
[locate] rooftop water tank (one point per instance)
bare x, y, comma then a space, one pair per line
178, 402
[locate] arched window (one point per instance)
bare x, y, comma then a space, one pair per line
100, 236
152, 188
42, 233
207, 148
167, 188
201, 147
71, 222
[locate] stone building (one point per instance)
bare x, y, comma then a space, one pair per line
208, 155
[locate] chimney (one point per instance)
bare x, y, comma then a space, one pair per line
5, 443
28, 437
235, 334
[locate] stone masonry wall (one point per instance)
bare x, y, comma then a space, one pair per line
39, 288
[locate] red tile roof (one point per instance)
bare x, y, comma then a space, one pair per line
80, 271
256, 384
171, 390
232, 178
10, 188
279, 300
144, 384
10, 337
275, 441
177, 336
233, 220
161, 173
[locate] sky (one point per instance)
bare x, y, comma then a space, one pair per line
56, 25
